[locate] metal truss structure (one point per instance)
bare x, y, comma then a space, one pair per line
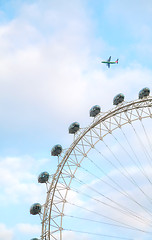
70, 161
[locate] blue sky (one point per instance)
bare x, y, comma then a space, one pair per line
51, 75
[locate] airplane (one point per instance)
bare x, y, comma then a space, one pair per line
108, 62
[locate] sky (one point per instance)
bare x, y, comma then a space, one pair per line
50, 76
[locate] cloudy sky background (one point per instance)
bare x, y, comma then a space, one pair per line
50, 76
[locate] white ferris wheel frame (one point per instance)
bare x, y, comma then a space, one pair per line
70, 160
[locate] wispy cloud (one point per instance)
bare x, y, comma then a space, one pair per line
30, 229
17, 182
5, 233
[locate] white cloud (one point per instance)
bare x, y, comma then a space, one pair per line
17, 183
41, 73
5, 233
75, 236
26, 228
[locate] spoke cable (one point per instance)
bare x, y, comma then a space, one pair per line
141, 167
129, 179
123, 209
141, 170
99, 214
98, 234
106, 223
144, 148
123, 192
148, 140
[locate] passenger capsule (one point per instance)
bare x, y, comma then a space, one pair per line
34, 239
56, 150
144, 93
43, 177
119, 98
94, 110
35, 209
74, 127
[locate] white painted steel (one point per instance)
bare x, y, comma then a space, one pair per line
70, 161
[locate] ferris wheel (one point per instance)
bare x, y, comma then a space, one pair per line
102, 188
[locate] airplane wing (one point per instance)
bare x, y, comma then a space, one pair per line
109, 59
108, 64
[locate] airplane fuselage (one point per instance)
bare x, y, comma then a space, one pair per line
109, 62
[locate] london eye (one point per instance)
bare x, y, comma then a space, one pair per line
102, 187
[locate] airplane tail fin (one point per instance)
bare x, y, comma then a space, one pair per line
116, 61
